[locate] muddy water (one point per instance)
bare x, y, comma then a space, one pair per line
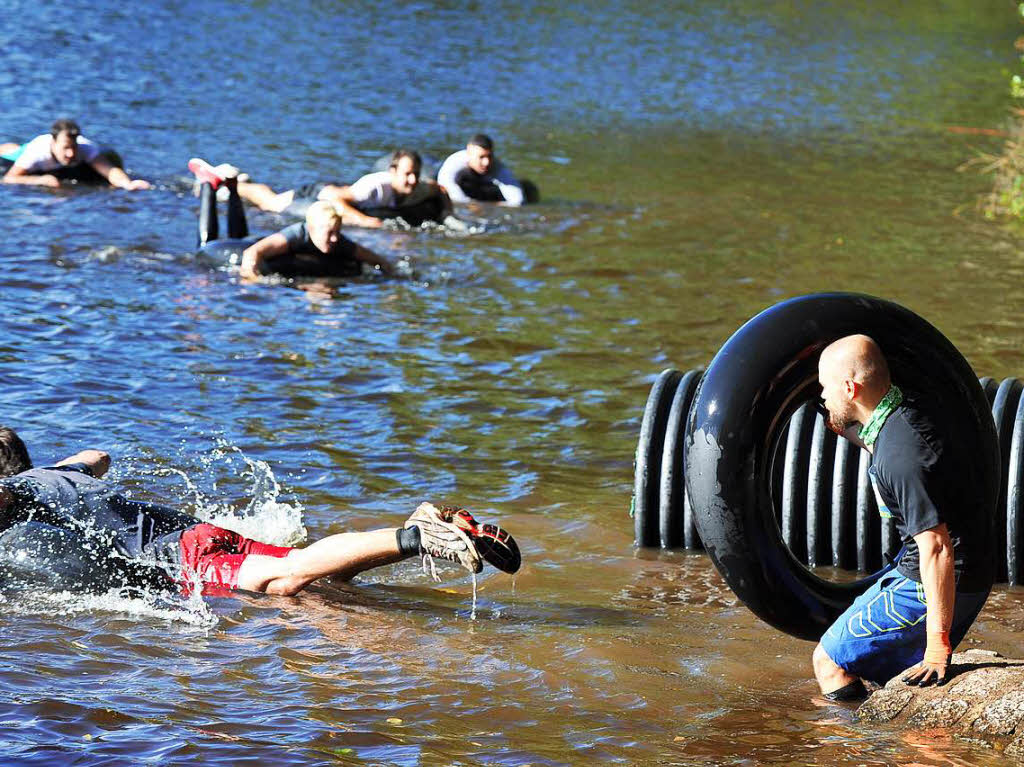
696, 165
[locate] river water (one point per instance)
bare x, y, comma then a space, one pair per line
697, 163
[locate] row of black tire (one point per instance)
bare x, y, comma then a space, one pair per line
822, 496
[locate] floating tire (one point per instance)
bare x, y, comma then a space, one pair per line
1004, 408
868, 522
672, 515
844, 503
819, 487
648, 458
1014, 502
794, 482
990, 386
764, 373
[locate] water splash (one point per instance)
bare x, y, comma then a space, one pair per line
264, 517
191, 610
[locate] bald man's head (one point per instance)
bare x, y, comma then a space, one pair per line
854, 376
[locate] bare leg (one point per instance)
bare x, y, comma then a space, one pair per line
343, 555
830, 676
265, 198
8, 147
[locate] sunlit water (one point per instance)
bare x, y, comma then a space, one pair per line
697, 163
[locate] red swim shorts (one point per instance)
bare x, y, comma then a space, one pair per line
216, 554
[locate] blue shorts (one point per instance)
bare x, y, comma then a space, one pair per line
883, 632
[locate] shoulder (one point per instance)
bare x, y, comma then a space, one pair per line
455, 158
371, 182
294, 233
909, 441
87, 150
36, 150
375, 179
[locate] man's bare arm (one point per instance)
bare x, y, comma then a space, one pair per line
16, 175
939, 583
97, 461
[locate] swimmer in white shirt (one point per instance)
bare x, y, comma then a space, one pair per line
475, 173
60, 154
393, 193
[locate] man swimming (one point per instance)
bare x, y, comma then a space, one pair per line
397, 192
62, 154
66, 521
475, 173
313, 248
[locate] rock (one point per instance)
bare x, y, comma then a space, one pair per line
983, 702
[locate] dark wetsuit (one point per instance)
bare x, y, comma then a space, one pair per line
305, 259
67, 530
73, 530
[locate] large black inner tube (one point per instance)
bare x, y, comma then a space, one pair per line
221, 254
762, 374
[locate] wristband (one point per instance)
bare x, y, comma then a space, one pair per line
938, 648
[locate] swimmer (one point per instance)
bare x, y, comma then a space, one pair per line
393, 193
475, 173
63, 153
313, 248
104, 529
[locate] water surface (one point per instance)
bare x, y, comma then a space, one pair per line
697, 164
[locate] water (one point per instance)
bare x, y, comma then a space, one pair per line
697, 164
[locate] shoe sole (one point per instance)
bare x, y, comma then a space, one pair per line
494, 544
204, 172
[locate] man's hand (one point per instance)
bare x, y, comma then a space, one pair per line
137, 183
925, 674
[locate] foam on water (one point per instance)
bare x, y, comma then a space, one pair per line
264, 518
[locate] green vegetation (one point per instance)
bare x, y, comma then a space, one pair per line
1007, 196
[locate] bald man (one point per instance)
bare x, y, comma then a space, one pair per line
917, 613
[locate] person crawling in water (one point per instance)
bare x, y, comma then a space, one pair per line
67, 527
313, 248
397, 192
63, 154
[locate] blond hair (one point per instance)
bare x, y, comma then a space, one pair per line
323, 213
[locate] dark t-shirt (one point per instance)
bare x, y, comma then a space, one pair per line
303, 259
921, 479
69, 497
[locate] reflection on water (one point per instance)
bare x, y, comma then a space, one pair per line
696, 165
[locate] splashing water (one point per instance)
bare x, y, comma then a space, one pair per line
264, 517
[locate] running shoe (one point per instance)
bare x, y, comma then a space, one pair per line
444, 540
494, 544
205, 173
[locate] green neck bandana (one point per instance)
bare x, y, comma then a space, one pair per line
889, 402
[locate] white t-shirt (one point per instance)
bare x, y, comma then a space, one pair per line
498, 175
35, 157
373, 190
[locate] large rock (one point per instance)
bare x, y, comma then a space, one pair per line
983, 702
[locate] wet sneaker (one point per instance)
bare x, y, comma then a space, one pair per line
495, 545
444, 540
205, 173
227, 171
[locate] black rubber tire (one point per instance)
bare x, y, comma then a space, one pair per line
648, 458
819, 492
691, 538
868, 522
672, 499
794, 482
1015, 502
844, 503
990, 386
1004, 408
762, 374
